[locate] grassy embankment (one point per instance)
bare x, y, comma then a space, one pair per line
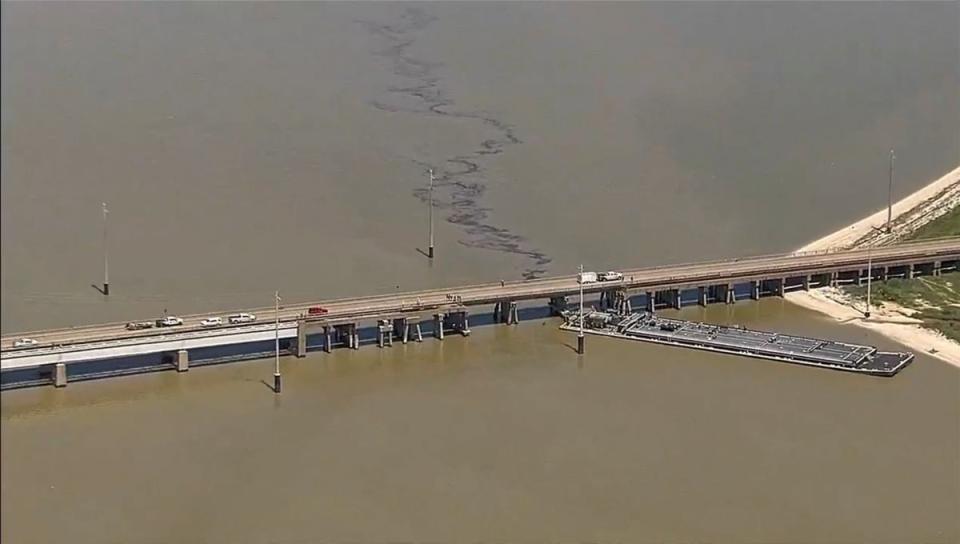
935, 299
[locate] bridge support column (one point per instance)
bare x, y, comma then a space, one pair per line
755, 290
355, 335
911, 273
781, 286
384, 333
702, 296
676, 298
557, 305
327, 339
60, 375
730, 295
183, 361
438, 326
651, 301
937, 266
806, 282
834, 279
509, 313
301, 339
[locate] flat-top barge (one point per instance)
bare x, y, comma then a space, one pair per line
737, 340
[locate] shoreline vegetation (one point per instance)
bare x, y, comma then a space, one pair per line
924, 313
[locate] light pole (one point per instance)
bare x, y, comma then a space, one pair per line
580, 333
276, 328
890, 194
430, 249
866, 314
106, 266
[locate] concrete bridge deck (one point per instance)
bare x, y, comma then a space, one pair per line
715, 280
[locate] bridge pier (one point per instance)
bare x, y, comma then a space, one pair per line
354, 335
755, 290
676, 298
557, 305
937, 267
506, 311
384, 333
301, 349
60, 375
651, 301
702, 296
183, 361
806, 282
327, 339
438, 326
730, 295
460, 321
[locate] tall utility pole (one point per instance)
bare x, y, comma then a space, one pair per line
866, 314
430, 249
106, 265
580, 334
276, 329
890, 194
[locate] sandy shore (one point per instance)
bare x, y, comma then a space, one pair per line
909, 214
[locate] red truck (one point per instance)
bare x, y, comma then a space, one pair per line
317, 310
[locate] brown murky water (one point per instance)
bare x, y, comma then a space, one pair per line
250, 147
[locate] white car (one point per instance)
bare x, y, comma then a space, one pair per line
242, 318
24, 342
212, 322
169, 321
611, 275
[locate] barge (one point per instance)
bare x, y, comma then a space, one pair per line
738, 340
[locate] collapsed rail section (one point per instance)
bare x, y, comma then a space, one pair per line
737, 340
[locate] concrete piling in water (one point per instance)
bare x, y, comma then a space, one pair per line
730, 294
327, 339
651, 301
937, 266
755, 290
438, 326
676, 298
183, 361
702, 296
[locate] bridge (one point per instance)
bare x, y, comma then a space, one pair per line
399, 316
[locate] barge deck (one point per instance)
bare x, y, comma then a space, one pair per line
737, 340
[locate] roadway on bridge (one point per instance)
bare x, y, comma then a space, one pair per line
662, 277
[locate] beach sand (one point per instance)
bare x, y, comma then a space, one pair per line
909, 214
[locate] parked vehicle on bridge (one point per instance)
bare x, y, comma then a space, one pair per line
242, 318
24, 343
587, 277
212, 322
139, 325
611, 275
169, 321
317, 310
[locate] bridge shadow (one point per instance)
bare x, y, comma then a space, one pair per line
97, 288
424, 253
